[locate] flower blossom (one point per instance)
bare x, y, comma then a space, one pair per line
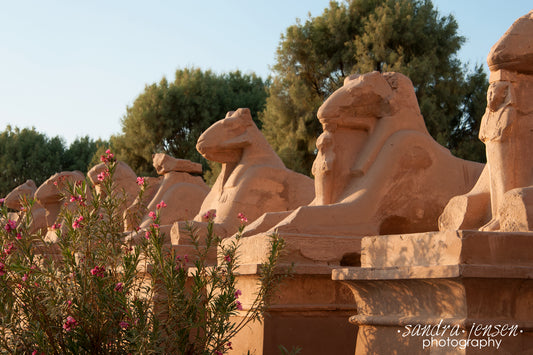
9, 249
77, 222
140, 181
238, 305
70, 324
103, 175
237, 294
161, 204
98, 271
56, 226
227, 258
152, 215
209, 215
108, 157
242, 217
119, 287
10, 225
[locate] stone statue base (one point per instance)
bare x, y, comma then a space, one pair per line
309, 310
453, 292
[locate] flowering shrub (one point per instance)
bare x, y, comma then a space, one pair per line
85, 287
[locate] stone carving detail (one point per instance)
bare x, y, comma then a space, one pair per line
253, 179
502, 199
378, 171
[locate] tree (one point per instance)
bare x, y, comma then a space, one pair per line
169, 117
79, 155
27, 154
359, 36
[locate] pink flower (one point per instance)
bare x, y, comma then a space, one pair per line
98, 271
140, 181
70, 324
161, 204
25, 277
238, 304
2, 201
238, 293
56, 226
103, 175
19, 236
69, 303
109, 157
77, 222
124, 325
147, 234
152, 215
10, 225
119, 287
209, 215
227, 258
154, 225
9, 249
242, 218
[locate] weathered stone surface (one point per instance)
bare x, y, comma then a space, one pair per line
516, 211
48, 195
507, 131
27, 191
182, 193
378, 171
514, 50
12, 200
253, 179
124, 183
164, 163
455, 278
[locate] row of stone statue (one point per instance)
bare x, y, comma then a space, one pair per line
377, 169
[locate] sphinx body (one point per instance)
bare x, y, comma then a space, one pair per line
377, 170
502, 200
253, 178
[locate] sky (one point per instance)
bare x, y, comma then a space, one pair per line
71, 68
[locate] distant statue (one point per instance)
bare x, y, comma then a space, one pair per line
49, 194
503, 199
124, 181
377, 170
182, 192
253, 179
26, 192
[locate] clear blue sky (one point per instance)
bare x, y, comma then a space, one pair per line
70, 68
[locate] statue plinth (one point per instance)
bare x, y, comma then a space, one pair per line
309, 310
466, 280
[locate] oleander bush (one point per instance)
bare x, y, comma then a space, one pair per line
85, 287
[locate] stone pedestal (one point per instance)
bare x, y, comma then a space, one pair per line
453, 292
309, 310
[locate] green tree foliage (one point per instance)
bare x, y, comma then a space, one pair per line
359, 36
28, 154
81, 153
169, 117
